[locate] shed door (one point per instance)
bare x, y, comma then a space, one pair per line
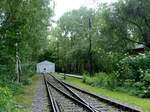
43, 69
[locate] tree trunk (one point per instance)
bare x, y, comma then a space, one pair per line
17, 69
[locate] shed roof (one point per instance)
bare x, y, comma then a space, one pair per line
140, 46
45, 62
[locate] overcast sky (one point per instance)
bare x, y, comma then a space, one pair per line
67, 5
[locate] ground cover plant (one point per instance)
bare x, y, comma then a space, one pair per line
7, 101
25, 98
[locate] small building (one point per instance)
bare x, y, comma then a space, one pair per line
45, 67
138, 49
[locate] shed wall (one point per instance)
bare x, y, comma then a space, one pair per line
45, 67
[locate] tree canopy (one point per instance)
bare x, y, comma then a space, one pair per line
116, 29
23, 33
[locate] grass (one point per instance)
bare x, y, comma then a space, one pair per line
142, 103
26, 97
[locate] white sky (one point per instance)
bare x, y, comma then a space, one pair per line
63, 6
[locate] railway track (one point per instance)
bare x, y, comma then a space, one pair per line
67, 98
63, 101
52, 102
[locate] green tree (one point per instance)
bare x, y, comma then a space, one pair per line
23, 32
135, 14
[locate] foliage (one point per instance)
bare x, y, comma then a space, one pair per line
69, 43
114, 31
7, 103
136, 69
23, 36
23, 33
15, 87
47, 54
27, 81
101, 80
6, 100
134, 13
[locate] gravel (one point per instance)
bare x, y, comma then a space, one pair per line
40, 103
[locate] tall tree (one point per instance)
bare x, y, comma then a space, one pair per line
135, 13
23, 32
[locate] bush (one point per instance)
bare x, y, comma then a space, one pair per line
14, 87
141, 89
27, 81
136, 69
101, 80
6, 100
133, 67
146, 77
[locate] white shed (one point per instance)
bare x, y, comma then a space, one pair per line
45, 67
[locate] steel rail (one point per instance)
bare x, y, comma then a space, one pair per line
71, 97
75, 94
115, 103
54, 105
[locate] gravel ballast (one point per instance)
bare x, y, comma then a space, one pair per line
40, 103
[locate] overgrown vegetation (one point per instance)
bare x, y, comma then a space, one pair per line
102, 40
136, 71
95, 40
27, 95
101, 80
132, 76
23, 35
6, 104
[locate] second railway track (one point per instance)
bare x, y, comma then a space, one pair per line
67, 98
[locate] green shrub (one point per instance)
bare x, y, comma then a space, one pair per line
143, 87
146, 77
88, 80
6, 100
136, 69
27, 81
84, 78
133, 67
85, 73
142, 90
14, 87
101, 80
126, 89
